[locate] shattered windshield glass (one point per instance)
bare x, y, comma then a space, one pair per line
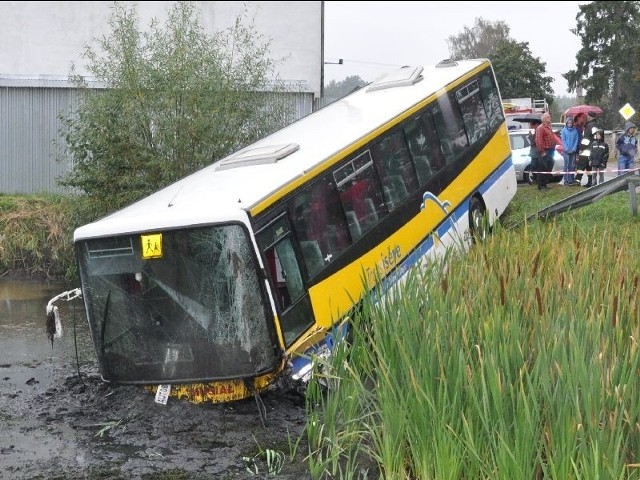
183, 305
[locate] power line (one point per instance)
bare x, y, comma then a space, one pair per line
372, 63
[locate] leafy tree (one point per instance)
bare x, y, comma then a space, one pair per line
174, 100
607, 64
519, 73
479, 41
344, 87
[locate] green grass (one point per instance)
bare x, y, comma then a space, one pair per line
530, 200
519, 359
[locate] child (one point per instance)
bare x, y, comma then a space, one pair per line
599, 156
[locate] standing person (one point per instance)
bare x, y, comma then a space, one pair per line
546, 142
579, 122
599, 156
588, 136
534, 153
627, 146
570, 138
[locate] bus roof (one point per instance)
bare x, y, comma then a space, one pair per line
243, 181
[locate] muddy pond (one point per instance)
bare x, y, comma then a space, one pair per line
60, 420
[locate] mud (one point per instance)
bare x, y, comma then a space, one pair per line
57, 423
59, 420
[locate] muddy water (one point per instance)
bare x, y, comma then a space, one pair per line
30, 365
23, 338
58, 419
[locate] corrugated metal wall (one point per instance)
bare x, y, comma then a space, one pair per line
324, 101
300, 103
30, 140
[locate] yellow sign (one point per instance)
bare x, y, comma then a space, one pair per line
627, 111
151, 245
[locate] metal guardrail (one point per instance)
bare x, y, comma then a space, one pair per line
630, 181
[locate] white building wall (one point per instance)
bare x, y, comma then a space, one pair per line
44, 38
39, 41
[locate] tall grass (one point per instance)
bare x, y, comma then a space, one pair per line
517, 360
36, 235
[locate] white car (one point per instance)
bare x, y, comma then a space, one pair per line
520, 145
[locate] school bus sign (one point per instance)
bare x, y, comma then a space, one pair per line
151, 246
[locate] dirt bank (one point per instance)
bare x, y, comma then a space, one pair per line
58, 425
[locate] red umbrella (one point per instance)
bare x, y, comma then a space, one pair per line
573, 111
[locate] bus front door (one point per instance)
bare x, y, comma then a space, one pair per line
290, 293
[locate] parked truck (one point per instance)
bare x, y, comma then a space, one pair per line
516, 107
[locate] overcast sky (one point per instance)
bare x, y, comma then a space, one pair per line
375, 37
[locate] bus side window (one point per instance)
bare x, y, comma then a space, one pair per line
425, 156
361, 194
352, 194
491, 100
320, 224
437, 161
328, 220
395, 164
473, 112
451, 132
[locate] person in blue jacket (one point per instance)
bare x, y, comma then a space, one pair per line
570, 137
627, 146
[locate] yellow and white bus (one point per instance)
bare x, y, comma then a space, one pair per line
221, 282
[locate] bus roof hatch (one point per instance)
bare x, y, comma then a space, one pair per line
258, 156
399, 78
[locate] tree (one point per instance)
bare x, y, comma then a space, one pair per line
519, 73
344, 87
607, 64
479, 41
174, 100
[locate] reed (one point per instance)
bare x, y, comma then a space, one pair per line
518, 359
35, 235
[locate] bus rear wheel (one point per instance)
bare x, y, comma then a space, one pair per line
478, 220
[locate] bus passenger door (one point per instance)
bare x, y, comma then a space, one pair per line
290, 294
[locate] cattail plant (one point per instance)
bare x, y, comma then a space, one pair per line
505, 362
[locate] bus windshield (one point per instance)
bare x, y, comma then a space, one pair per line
178, 305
